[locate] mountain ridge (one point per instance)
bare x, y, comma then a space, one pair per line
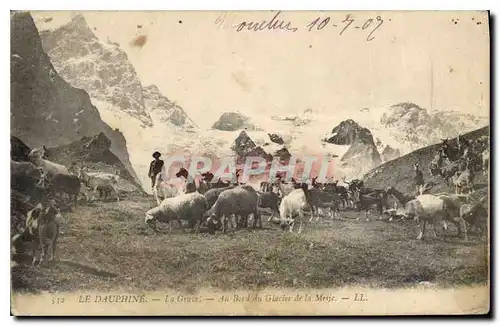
45, 109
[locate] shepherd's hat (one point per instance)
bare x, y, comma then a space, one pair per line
156, 154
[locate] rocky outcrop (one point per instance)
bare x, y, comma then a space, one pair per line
390, 153
232, 121
45, 110
349, 132
19, 151
362, 154
163, 110
283, 154
92, 153
244, 146
275, 138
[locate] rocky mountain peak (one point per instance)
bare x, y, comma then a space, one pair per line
104, 71
45, 110
349, 132
232, 121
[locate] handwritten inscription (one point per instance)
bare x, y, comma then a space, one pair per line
367, 25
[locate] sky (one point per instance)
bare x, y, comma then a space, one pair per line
200, 61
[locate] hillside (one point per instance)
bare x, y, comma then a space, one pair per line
399, 172
92, 153
45, 109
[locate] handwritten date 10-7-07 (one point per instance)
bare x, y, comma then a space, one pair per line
369, 24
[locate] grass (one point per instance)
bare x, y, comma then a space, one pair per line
107, 246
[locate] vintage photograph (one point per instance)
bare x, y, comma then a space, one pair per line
249, 162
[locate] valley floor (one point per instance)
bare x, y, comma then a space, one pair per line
107, 246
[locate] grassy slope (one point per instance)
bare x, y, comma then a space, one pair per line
399, 172
107, 246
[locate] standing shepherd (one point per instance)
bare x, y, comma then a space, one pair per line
419, 178
155, 167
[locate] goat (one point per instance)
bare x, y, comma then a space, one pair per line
291, 207
164, 189
42, 224
36, 156
463, 179
269, 200
475, 214
324, 199
486, 161
426, 208
62, 183
98, 180
448, 171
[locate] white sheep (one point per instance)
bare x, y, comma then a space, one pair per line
48, 167
291, 206
97, 180
188, 207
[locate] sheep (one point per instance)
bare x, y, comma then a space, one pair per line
42, 224
189, 207
429, 207
241, 200
164, 189
99, 180
36, 156
293, 206
213, 194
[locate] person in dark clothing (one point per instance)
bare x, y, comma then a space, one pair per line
155, 167
419, 177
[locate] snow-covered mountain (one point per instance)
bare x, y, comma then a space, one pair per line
407, 127
150, 121
104, 71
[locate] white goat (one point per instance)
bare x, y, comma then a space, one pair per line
291, 206
98, 180
48, 167
164, 189
429, 208
462, 180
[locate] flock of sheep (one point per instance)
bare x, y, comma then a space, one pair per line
219, 206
